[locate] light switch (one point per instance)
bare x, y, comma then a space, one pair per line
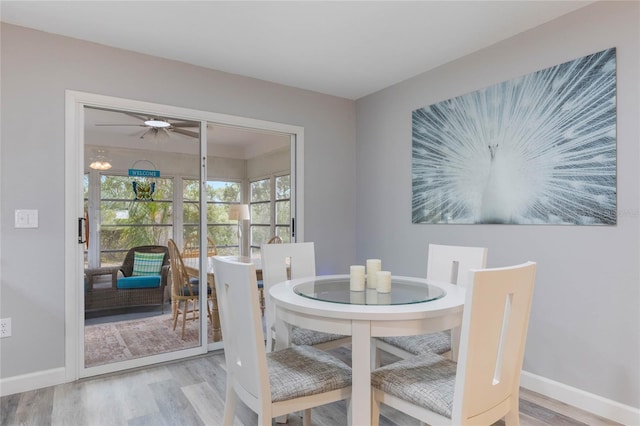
26, 219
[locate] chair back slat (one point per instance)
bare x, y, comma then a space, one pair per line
451, 264
494, 332
192, 248
241, 321
179, 278
275, 240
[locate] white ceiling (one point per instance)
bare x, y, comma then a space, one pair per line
346, 49
126, 131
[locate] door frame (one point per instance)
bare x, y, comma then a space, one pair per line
75, 101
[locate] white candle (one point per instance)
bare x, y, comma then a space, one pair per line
373, 266
383, 281
384, 298
371, 296
357, 297
357, 278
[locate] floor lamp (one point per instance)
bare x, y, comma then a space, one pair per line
239, 212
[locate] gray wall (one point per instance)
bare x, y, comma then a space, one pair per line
585, 324
585, 327
37, 68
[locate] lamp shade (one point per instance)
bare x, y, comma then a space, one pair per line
239, 212
100, 161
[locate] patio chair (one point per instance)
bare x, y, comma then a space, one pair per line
185, 296
140, 280
275, 240
192, 247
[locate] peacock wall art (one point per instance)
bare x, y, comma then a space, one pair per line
538, 149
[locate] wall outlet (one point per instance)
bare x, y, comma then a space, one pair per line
5, 327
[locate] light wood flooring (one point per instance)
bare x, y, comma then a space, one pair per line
191, 392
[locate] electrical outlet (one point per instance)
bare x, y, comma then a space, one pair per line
5, 327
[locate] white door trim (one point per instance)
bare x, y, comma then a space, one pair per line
75, 102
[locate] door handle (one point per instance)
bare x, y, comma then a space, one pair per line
81, 230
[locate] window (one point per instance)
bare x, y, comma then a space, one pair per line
126, 222
270, 203
220, 195
283, 208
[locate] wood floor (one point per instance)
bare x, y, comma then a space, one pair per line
191, 392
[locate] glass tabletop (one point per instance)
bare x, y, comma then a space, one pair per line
337, 291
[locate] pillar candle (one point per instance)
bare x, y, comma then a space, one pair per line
371, 296
384, 298
357, 297
383, 281
373, 266
357, 278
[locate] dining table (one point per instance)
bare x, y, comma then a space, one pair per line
326, 303
192, 266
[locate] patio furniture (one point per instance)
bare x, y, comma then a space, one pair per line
192, 247
185, 296
126, 288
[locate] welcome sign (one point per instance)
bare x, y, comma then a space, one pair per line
144, 173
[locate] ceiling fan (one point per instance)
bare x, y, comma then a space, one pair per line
158, 126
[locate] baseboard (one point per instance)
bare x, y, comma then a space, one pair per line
32, 381
586, 401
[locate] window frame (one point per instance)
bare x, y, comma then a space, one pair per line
254, 249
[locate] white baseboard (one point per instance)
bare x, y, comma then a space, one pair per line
586, 401
32, 381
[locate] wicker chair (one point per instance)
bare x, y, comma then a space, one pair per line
109, 297
275, 240
192, 248
184, 295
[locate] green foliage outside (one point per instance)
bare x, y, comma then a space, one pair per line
126, 222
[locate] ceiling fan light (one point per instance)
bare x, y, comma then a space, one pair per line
158, 124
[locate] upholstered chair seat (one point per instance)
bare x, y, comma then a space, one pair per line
426, 380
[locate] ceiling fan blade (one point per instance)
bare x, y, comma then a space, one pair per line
186, 132
186, 124
151, 129
114, 124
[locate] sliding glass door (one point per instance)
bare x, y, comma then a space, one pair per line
147, 177
133, 211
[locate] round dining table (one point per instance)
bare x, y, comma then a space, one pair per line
326, 303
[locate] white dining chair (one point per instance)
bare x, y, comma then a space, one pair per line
276, 383
449, 264
281, 262
483, 386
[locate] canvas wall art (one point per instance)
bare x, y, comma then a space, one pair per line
538, 149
